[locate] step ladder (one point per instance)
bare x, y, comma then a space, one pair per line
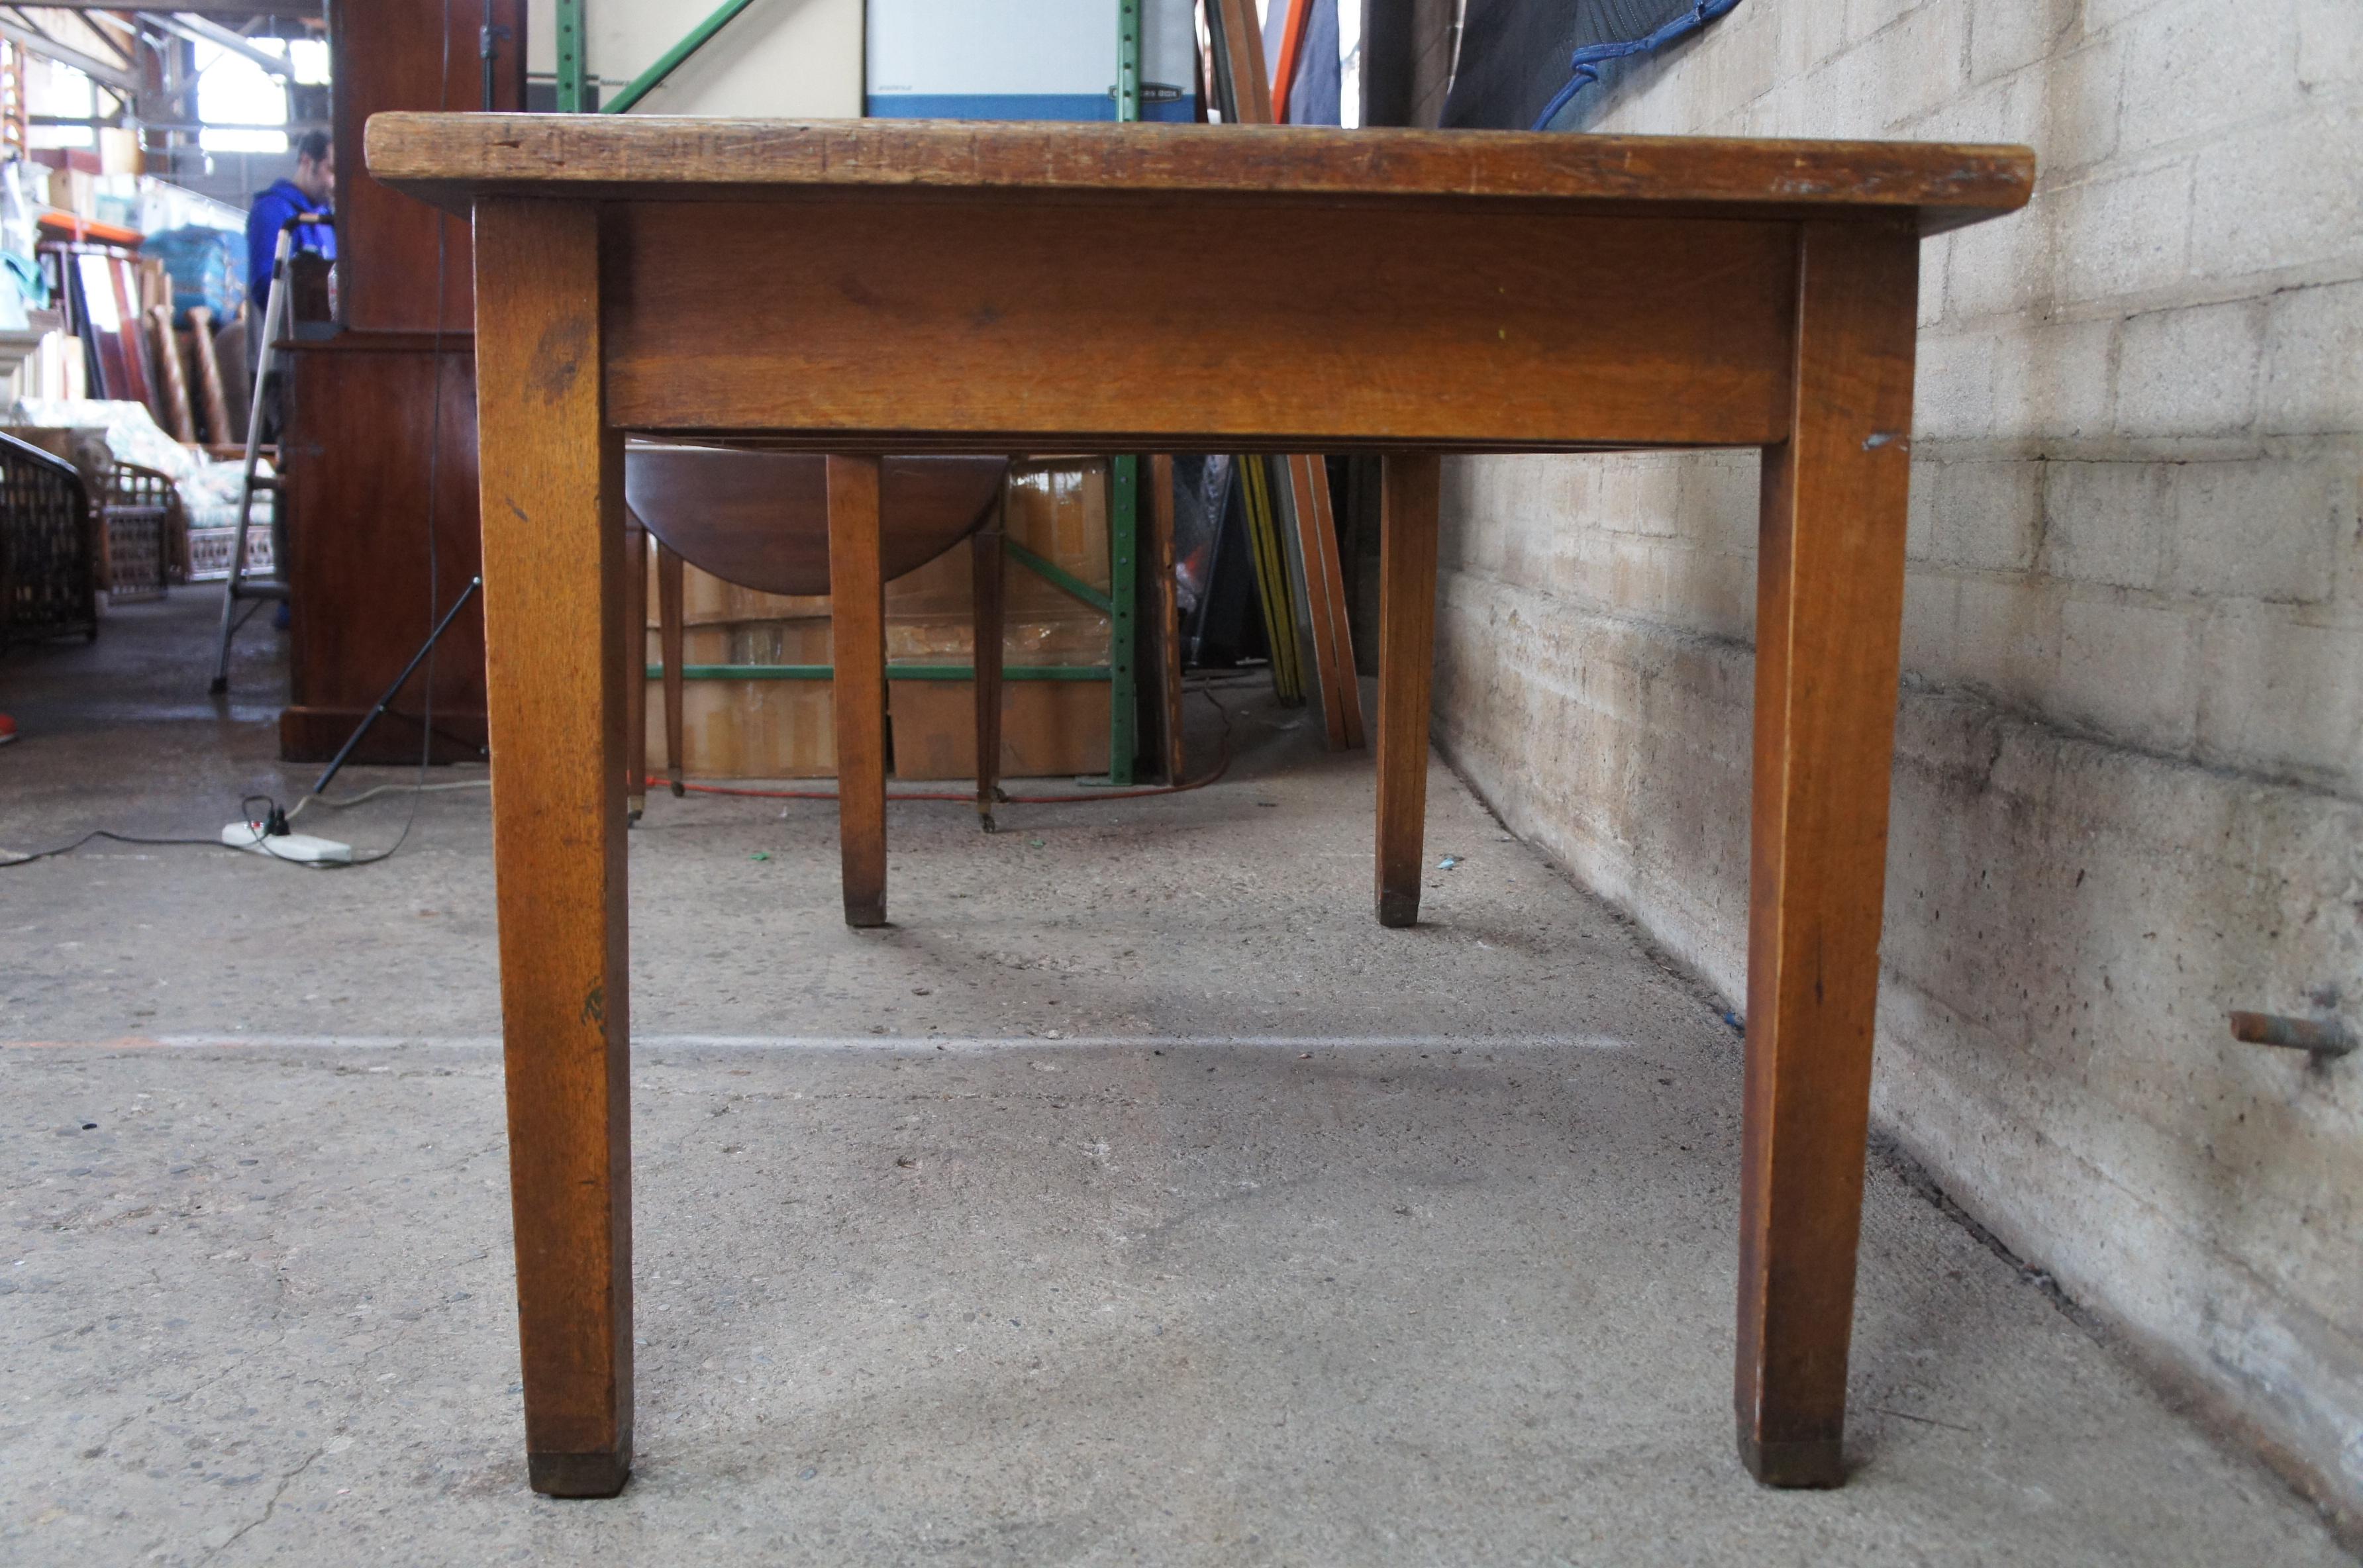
257, 591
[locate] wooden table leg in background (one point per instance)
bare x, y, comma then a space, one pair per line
1829, 609
553, 527
985, 564
1164, 608
1411, 493
1333, 640
857, 608
670, 637
636, 659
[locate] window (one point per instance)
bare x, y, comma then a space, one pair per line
239, 97
51, 88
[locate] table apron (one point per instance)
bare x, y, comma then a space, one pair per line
933, 323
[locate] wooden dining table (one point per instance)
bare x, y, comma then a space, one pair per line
865, 287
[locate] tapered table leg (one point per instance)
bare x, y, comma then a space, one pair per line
1410, 493
553, 529
636, 657
985, 564
857, 649
1829, 607
669, 632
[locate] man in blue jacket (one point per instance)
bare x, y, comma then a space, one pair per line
311, 190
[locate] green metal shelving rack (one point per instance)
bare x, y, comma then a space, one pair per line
1120, 604
1123, 489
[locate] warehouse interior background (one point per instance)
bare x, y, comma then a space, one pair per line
2127, 803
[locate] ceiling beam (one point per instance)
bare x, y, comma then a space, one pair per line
191, 26
112, 30
102, 72
123, 53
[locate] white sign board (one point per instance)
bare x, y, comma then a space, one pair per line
1025, 60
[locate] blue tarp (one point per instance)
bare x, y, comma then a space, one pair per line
1313, 98
208, 268
1543, 64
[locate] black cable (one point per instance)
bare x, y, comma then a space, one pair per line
434, 493
1204, 684
274, 821
117, 838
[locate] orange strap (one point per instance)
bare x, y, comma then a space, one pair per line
1283, 76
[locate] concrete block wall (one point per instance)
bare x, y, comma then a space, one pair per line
2129, 781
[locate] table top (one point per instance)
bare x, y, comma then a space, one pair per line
451, 160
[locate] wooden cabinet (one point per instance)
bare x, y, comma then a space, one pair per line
379, 448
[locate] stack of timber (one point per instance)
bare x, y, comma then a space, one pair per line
1318, 594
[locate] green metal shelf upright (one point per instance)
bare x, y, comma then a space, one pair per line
1123, 487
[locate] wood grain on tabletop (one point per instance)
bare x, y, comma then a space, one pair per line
448, 158
553, 510
1829, 613
1671, 331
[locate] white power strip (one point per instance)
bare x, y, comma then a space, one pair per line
300, 847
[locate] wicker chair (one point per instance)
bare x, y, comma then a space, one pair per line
49, 566
143, 532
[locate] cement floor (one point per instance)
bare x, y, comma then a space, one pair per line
1134, 1200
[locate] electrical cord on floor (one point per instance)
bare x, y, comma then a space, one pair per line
348, 803
434, 496
15, 858
275, 820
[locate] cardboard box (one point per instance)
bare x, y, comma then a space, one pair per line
1050, 729
119, 151
749, 729
785, 729
72, 190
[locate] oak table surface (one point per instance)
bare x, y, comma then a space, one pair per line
864, 287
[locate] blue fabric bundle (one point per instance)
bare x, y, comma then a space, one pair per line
208, 268
1537, 64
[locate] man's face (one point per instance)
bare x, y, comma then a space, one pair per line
318, 179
